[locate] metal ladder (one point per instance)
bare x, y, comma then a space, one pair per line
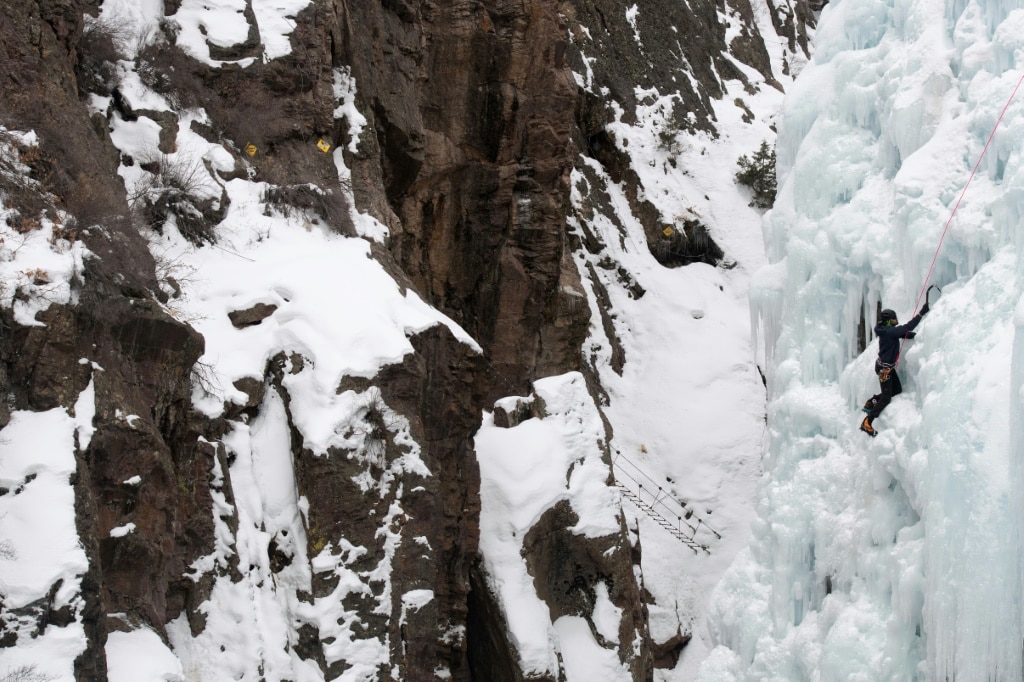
660, 506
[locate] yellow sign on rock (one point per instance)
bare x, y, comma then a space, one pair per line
250, 149
668, 231
323, 146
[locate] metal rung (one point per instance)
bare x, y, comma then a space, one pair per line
655, 516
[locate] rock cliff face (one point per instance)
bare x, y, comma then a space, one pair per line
474, 124
145, 355
472, 108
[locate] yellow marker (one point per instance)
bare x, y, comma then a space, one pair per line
250, 149
323, 146
667, 231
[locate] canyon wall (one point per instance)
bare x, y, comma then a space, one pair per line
474, 117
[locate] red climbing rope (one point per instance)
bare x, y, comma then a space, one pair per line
956, 206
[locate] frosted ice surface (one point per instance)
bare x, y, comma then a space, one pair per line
897, 557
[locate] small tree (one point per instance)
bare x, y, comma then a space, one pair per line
758, 173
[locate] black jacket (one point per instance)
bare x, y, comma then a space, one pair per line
889, 339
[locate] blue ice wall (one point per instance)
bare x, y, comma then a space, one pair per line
899, 557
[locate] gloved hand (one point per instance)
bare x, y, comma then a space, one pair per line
924, 309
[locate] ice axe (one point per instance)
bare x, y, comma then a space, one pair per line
927, 304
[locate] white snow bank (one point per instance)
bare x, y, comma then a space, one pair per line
336, 306
141, 656
198, 24
583, 657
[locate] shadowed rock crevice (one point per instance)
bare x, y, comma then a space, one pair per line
491, 656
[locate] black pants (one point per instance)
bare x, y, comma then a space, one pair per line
890, 389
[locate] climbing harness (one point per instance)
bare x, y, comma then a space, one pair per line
924, 286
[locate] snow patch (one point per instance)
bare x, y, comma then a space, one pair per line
141, 656
39, 545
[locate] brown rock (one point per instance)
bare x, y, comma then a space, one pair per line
251, 316
254, 389
473, 110
474, 123
666, 654
441, 509
512, 412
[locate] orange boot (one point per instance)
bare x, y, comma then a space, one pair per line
867, 428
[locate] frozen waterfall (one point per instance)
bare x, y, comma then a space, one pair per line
899, 557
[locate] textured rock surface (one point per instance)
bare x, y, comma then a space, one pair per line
441, 508
143, 423
472, 105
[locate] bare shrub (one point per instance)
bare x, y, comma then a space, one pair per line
25, 673
172, 271
103, 44
176, 188
205, 379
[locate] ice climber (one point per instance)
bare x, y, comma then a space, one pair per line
889, 334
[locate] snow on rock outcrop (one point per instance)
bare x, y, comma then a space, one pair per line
299, 321
41, 262
141, 656
525, 471
305, 514
896, 557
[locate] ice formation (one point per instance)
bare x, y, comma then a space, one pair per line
899, 557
